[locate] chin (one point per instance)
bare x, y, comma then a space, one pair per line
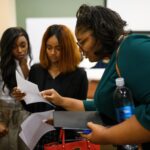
20, 58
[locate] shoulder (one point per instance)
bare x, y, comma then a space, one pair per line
37, 72
80, 71
133, 62
37, 67
135, 42
136, 37
135, 46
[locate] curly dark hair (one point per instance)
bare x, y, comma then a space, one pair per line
7, 62
106, 25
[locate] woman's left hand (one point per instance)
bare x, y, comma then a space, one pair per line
97, 135
129, 131
49, 121
17, 94
3, 130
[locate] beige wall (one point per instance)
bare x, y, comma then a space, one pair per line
7, 14
49, 8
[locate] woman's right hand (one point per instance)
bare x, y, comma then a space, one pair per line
52, 96
17, 94
3, 130
67, 103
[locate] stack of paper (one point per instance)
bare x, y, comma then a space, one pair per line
31, 90
34, 127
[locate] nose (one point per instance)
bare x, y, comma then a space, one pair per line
53, 51
19, 49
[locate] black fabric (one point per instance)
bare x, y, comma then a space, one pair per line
146, 146
37, 107
108, 121
73, 84
69, 84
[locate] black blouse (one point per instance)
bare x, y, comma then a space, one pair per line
73, 84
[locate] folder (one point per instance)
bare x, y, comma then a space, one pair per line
75, 119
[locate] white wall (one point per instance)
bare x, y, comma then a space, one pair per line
36, 28
135, 12
7, 14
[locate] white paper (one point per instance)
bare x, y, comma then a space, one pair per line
34, 127
31, 90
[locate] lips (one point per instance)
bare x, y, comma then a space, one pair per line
21, 56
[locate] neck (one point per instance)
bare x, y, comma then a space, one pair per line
54, 71
25, 69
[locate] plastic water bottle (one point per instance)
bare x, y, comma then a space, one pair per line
124, 105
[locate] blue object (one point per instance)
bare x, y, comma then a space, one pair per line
84, 131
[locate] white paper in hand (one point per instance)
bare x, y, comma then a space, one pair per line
33, 128
31, 90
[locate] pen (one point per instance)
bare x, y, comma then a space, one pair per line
84, 131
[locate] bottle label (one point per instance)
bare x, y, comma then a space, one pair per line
124, 113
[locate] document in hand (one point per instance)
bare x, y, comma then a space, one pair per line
34, 127
31, 90
75, 119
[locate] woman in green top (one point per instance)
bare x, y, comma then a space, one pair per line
100, 31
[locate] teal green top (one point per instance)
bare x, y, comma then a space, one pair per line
134, 65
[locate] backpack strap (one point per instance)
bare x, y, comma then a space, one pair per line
116, 66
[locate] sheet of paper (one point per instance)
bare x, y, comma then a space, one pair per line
34, 127
31, 90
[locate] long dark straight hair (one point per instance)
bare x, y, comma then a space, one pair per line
7, 62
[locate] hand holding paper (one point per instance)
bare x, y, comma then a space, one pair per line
34, 127
17, 94
32, 93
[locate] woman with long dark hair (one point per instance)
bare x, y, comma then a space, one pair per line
15, 53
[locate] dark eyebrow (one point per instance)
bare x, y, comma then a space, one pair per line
23, 42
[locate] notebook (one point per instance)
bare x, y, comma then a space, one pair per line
75, 119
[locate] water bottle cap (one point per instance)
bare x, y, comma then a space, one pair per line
120, 82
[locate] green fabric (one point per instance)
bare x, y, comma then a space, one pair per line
134, 64
89, 105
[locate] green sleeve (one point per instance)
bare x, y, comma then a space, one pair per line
89, 105
142, 113
134, 64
